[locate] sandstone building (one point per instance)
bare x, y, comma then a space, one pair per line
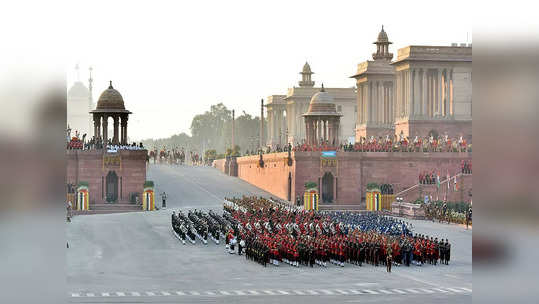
427, 89
286, 123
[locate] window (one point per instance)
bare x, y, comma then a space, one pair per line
339, 108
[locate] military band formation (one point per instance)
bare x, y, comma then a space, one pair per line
270, 233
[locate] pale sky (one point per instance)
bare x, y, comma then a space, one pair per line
171, 60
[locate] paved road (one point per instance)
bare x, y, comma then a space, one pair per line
134, 257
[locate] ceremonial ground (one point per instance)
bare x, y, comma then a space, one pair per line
134, 257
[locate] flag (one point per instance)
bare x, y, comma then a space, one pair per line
438, 180
455, 186
448, 180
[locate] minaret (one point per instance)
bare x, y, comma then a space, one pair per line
382, 47
306, 76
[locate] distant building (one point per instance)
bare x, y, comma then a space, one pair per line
285, 112
426, 90
79, 104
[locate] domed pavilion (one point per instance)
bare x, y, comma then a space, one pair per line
322, 120
111, 104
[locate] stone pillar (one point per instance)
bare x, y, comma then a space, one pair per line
116, 129
96, 124
105, 129
424, 93
439, 89
447, 91
417, 93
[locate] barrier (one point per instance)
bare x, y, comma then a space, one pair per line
310, 200
83, 197
148, 197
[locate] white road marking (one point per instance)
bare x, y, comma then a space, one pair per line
355, 291
239, 292
441, 290
426, 290
210, 293
299, 292
283, 292
341, 291
253, 292
105, 294
328, 292
180, 293
467, 289
151, 294
399, 291
269, 292
90, 294
165, 293
120, 294
312, 292
135, 294
370, 291
195, 293
75, 295
454, 290
224, 292
385, 291
412, 290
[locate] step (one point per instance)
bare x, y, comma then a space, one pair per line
90, 212
126, 207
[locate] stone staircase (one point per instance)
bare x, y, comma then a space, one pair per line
110, 208
464, 182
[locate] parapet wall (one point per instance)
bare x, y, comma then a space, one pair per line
350, 171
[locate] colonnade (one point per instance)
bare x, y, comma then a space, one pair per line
277, 126
376, 103
119, 132
322, 129
424, 93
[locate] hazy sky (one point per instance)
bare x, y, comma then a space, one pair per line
172, 60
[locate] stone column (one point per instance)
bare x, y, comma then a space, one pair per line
424, 93
391, 106
105, 129
440, 97
417, 93
116, 129
96, 124
447, 91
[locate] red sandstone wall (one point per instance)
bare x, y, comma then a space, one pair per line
353, 171
219, 164
88, 166
272, 178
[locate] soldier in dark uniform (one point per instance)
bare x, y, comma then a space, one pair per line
389, 259
448, 251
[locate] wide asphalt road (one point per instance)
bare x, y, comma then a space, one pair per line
135, 258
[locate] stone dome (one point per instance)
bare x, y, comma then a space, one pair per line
322, 97
322, 104
307, 69
78, 91
110, 99
382, 36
